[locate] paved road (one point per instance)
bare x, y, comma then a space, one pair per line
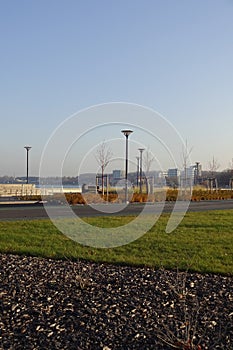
37, 211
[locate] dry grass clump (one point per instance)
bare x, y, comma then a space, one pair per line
170, 195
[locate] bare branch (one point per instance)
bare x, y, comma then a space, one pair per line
213, 166
185, 154
103, 155
148, 159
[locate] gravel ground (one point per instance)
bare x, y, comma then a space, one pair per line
50, 304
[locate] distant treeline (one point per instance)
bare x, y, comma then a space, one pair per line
66, 180
223, 179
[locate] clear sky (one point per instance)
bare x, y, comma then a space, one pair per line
58, 57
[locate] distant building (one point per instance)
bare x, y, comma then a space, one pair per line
118, 174
198, 169
197, 173
188, 172
173, 172
173, 177
187, 177
192, 174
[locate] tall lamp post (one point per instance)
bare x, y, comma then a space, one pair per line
138, 159
126, 133
141, 150
27, 149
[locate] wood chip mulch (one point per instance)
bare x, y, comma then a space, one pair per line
60, 304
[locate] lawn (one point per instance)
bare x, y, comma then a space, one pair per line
203, 242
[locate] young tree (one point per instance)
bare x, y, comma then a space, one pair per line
148, 159
185, 157
103, 156
213, 167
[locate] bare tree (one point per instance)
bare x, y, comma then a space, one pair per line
185, 157
213, 166
103, 156
148, 159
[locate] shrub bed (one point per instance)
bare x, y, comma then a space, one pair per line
113, 197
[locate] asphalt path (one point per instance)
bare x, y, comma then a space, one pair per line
37, 211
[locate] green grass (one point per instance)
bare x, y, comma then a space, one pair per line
203, 242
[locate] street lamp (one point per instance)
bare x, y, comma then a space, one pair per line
126, 133
27, 149
138, 159
141, 150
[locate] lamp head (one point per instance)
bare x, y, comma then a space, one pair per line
126, 132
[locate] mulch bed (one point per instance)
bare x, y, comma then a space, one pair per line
51, 304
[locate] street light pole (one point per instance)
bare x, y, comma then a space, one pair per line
138, 159
141, 150
27, 149
126, 133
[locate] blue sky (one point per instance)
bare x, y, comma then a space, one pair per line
58, 57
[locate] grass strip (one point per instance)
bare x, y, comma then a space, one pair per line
201, 243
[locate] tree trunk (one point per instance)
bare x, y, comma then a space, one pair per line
102, 180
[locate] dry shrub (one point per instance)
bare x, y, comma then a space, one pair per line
142, 198
170, 195
211, 195
75, 198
